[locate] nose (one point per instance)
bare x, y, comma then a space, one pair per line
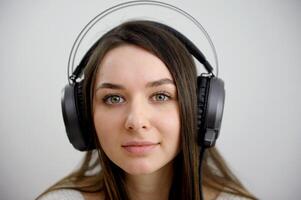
137, 118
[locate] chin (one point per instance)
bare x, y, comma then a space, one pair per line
139, 168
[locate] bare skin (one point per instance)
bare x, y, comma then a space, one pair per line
134, 115
151, 186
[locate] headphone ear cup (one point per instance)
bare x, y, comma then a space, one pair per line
211, 96
202, 95
75, 118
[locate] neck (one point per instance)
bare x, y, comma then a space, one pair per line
152, 186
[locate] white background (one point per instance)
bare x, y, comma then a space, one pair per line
258, 44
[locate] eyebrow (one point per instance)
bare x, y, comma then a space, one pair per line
148, 85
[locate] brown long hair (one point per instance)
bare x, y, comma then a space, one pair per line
98, 174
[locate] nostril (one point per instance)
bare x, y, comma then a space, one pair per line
132, 127
136, 121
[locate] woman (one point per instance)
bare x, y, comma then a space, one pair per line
140, 93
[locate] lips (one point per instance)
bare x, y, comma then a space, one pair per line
139, 147
139, 143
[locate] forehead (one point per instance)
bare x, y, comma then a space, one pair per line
130, 62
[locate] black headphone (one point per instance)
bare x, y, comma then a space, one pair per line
210, 94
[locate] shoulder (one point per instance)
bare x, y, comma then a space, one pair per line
71, 194
228, 196
66, 194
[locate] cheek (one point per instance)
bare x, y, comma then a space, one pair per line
169, 126
107, 127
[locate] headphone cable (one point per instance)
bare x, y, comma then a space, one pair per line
202, 152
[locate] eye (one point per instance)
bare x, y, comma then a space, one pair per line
161, 96
113, 99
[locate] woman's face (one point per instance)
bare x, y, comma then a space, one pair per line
135, 110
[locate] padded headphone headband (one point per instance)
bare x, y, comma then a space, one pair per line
188, 44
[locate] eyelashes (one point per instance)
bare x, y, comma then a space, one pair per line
113, 99
116, 99
161, 96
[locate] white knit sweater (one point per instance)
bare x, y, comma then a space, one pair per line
68, 194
